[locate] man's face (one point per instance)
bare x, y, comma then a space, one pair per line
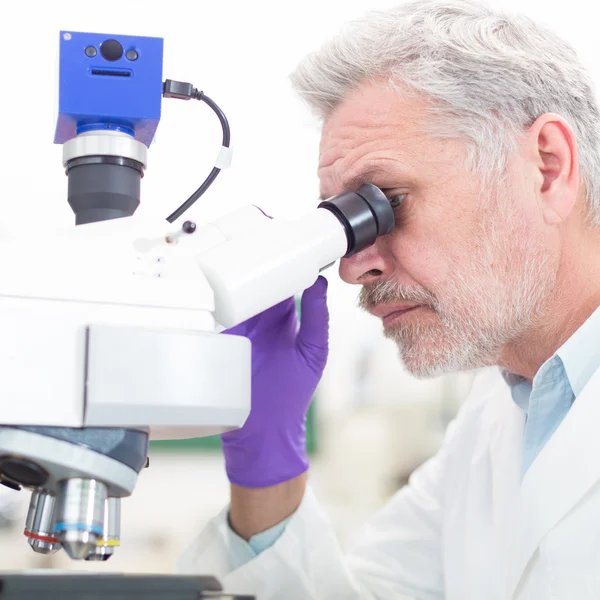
466, 269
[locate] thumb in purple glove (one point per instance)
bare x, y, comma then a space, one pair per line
288, 359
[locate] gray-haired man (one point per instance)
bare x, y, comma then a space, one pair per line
483, 130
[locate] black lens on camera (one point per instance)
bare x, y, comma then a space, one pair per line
111, 50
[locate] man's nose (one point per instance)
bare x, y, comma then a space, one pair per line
365, 267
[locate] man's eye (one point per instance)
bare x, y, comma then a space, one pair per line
397, 200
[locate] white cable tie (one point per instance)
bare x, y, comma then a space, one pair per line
224, 159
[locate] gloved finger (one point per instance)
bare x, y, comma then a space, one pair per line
314, 316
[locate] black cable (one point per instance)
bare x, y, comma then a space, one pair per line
222, 118
185, 91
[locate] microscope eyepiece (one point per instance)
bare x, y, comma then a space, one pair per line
365, 214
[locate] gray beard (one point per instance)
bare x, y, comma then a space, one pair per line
481, 314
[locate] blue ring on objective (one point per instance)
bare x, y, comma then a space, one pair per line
79, 526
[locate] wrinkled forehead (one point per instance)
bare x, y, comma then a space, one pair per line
373, 127
373, 110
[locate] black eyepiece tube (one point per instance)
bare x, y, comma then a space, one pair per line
365, 214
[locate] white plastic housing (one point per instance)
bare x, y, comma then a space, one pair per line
252, 272
159, 369
109, 324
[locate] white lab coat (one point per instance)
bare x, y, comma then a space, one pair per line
468, 527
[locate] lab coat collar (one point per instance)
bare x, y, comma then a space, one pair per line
563, 472
505, 438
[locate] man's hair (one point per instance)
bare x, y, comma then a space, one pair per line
487, 76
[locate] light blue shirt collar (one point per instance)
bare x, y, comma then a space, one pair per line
580, 354
556, 386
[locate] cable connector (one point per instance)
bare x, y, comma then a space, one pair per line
179, 89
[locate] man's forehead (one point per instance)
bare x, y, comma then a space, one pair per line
372, 113
373, 130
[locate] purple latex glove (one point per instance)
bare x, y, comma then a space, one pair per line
287, 364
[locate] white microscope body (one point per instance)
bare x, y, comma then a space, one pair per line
116, 324
110, 324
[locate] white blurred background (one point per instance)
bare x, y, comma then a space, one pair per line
375, 423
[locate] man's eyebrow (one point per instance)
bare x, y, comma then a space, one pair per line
355, 181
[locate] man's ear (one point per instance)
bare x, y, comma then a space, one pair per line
553, 151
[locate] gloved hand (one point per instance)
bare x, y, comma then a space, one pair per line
287, 364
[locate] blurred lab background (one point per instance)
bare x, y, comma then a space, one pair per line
371, 424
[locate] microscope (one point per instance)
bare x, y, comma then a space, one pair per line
110, 331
